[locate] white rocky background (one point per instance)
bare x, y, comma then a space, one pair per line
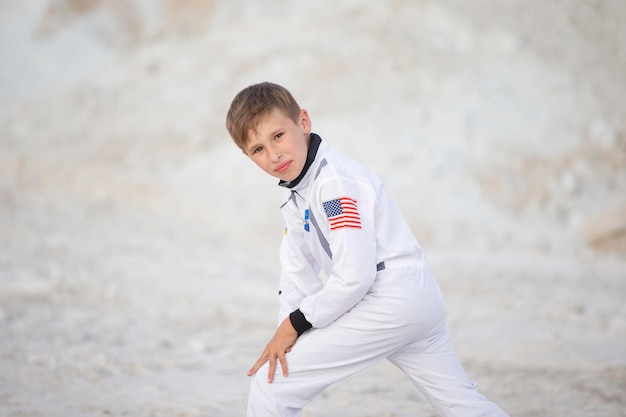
138, 264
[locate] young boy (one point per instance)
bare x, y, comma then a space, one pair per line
379, 300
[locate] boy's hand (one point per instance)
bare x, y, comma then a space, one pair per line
284, 338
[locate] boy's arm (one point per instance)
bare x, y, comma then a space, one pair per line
345, 211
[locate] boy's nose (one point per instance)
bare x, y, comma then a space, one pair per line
275, 154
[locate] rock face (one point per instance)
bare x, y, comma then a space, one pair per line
509, 120
607, 230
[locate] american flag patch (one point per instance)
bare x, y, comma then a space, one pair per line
342, 213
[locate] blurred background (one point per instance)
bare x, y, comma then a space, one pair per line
499, 126
138, 246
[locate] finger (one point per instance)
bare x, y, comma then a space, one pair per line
257, 364
283, 364
272, 371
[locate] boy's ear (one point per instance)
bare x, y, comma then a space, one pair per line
305, 121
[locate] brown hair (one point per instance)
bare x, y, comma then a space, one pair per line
254, 102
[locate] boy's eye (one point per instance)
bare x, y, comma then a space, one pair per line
278, 135
257, 149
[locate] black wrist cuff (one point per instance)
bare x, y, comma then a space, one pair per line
299, 322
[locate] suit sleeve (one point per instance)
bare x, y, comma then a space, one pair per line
347, 209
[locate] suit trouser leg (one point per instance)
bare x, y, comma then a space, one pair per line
435, 369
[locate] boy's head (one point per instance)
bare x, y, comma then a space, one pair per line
267, 124
253, 103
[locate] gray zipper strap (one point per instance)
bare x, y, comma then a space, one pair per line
321, 237
323, 163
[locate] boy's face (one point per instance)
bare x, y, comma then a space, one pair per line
279, 145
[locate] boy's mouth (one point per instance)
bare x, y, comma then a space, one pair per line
283, 167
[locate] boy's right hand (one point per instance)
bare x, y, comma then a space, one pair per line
280, 344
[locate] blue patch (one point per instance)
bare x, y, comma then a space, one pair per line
306, 221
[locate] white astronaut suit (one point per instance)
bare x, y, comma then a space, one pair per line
357, 288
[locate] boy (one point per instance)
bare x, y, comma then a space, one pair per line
379, 301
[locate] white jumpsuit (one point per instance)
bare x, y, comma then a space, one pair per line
354, 274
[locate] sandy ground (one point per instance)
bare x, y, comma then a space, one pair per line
138, 264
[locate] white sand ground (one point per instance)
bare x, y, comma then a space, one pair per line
138, 263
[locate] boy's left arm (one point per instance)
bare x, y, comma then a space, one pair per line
345, 210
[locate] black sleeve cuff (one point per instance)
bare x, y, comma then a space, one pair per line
299, 322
